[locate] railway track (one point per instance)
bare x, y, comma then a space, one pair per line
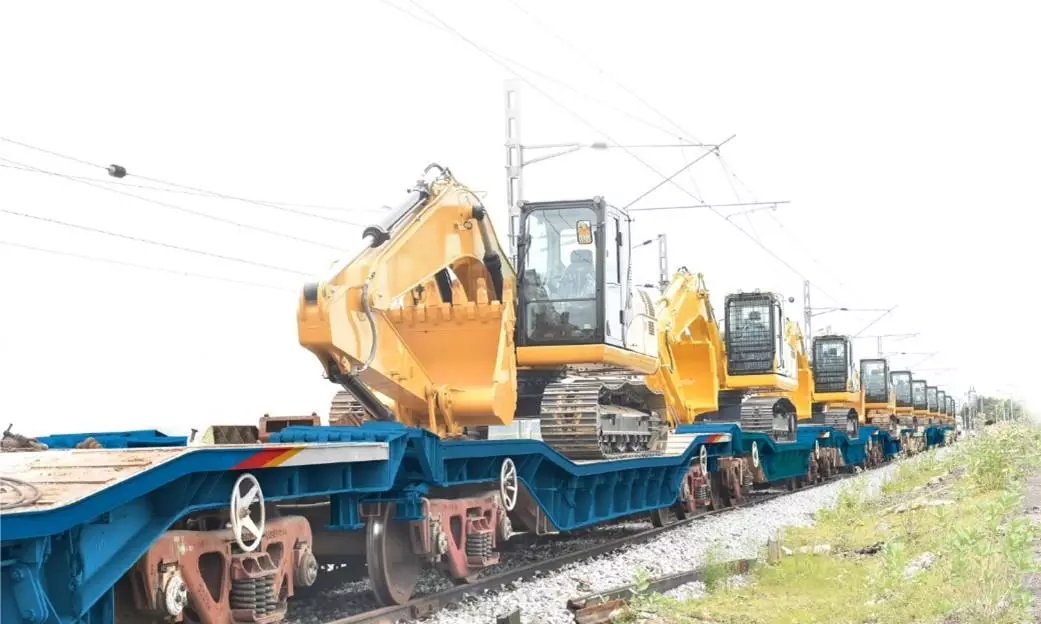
427, 605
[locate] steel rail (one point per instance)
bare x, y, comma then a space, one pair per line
424, 606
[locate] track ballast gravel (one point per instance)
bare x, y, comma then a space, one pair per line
739, 533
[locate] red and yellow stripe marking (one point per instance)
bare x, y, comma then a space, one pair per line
268, 458
714, 438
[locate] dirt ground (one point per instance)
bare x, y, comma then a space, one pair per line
1033, 511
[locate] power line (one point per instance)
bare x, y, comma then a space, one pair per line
673, 176
144, 266
197, 213
697, 206
147, 241
607, 136
164, 189
46, 151
877, 319
283, 206
535, 72
603, 72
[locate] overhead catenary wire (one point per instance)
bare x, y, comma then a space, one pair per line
683, 133
147, 241
177, 207
542, 75
181, 191
681, 170
146, 267
876, 320
585, 122
177, 187
714, 205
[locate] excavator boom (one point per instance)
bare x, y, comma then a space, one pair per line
419, 326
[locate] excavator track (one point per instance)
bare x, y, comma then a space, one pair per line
838, 418
579, 420
347, 410
758, 414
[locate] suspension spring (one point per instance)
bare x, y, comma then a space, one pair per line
479, 544
254, 594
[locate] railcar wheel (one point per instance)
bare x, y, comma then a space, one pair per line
508, 484
393, 567
664, 516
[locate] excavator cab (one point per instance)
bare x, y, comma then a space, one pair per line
833, 369
575, 280
755, 340
902, 389
919, 398
875, 379
582, 354
941, 403
931, 404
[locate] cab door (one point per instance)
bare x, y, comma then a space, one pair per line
616, 262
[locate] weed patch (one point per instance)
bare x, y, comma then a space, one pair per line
942, 541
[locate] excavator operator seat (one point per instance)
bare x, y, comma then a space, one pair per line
575, 285
902, 388
579, 278
874, 378
754, 333
832, 363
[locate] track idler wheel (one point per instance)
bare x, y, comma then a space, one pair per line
393, 567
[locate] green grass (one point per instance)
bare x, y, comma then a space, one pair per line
980, 549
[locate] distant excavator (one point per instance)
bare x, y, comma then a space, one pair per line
755, 373
879, 394
837, 397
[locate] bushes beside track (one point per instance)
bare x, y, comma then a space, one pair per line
944, 540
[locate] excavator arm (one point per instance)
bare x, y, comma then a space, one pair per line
802, 397
690, 349
419, 326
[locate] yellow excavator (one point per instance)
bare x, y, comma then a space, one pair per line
880, 402
837, 397
931, 414
430, 327
756, 373
904, 394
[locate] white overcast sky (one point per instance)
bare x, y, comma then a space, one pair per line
904, 134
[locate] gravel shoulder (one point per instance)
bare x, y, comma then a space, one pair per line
740, 533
